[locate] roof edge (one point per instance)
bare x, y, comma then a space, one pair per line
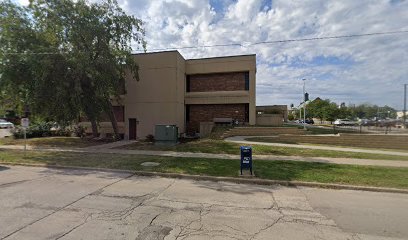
229, 56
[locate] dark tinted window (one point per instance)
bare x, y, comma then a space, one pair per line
246, 80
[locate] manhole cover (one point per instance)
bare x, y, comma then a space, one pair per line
150, 164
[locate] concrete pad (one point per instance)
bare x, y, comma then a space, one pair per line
220, 193
285, 231
24, 202
15, 174
381, 214
95, 205
138, 186
53, 227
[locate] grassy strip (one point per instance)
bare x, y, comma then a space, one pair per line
63, 142
314, 130
202, 146
277, 170
322, 142
219, 146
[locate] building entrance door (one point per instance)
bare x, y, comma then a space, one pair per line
132, 128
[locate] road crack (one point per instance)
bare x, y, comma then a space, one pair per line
64, 207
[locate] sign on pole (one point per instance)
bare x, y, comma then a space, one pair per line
25, 122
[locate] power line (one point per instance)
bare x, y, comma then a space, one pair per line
240, 44
286, 40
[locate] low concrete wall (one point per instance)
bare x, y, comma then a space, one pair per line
269, 119
5, 133
206, 129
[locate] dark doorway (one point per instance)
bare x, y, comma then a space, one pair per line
132, 128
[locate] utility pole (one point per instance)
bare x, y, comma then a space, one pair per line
405, 106
304, 103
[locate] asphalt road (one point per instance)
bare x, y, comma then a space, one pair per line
42, 203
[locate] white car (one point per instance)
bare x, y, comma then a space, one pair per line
343, 122
5, 124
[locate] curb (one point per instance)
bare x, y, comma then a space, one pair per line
244, 180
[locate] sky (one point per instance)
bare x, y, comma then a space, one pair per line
371, 69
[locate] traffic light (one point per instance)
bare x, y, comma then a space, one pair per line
306, 97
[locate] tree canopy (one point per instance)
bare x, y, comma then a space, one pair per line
66, 58
326, 110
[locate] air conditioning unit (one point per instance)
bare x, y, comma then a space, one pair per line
166, 134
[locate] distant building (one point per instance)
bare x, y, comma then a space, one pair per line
274, 109
400, 114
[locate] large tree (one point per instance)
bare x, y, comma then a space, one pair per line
322, 109
64, 58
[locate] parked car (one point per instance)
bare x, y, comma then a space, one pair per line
309, 121
344, 122
5, 124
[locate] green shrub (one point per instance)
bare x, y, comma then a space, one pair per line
150, 138
41, 129
79, 131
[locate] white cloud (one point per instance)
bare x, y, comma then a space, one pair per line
23, 2
365, 69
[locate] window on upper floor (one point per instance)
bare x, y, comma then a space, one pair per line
247, 81
212, 82
187, 83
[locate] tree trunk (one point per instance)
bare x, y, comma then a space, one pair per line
113, 120
94, 128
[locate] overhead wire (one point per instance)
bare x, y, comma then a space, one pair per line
239, 44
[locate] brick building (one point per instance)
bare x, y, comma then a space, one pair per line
185, 93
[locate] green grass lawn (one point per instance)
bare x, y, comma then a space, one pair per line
63, 142
220, 146
301, 141
276, 170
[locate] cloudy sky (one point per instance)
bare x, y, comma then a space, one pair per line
369, 69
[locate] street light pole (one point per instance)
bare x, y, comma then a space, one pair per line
304, 103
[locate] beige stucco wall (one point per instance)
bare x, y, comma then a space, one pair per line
225, 64
269, 119
158, 98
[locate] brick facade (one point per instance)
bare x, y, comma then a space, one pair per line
207, 112
217, 82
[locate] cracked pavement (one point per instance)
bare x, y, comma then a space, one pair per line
41, 203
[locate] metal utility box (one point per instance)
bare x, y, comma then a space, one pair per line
246, 158
166, 134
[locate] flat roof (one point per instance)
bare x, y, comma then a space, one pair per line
229, 56
192, 59
143, 53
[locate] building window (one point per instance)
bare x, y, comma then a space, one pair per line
247, 81
188, 83
246, 112
187, 113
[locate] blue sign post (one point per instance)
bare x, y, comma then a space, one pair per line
246, 158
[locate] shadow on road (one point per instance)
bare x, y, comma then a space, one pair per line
2, 168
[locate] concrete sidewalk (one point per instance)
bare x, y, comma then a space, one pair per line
241, 140
364, 162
